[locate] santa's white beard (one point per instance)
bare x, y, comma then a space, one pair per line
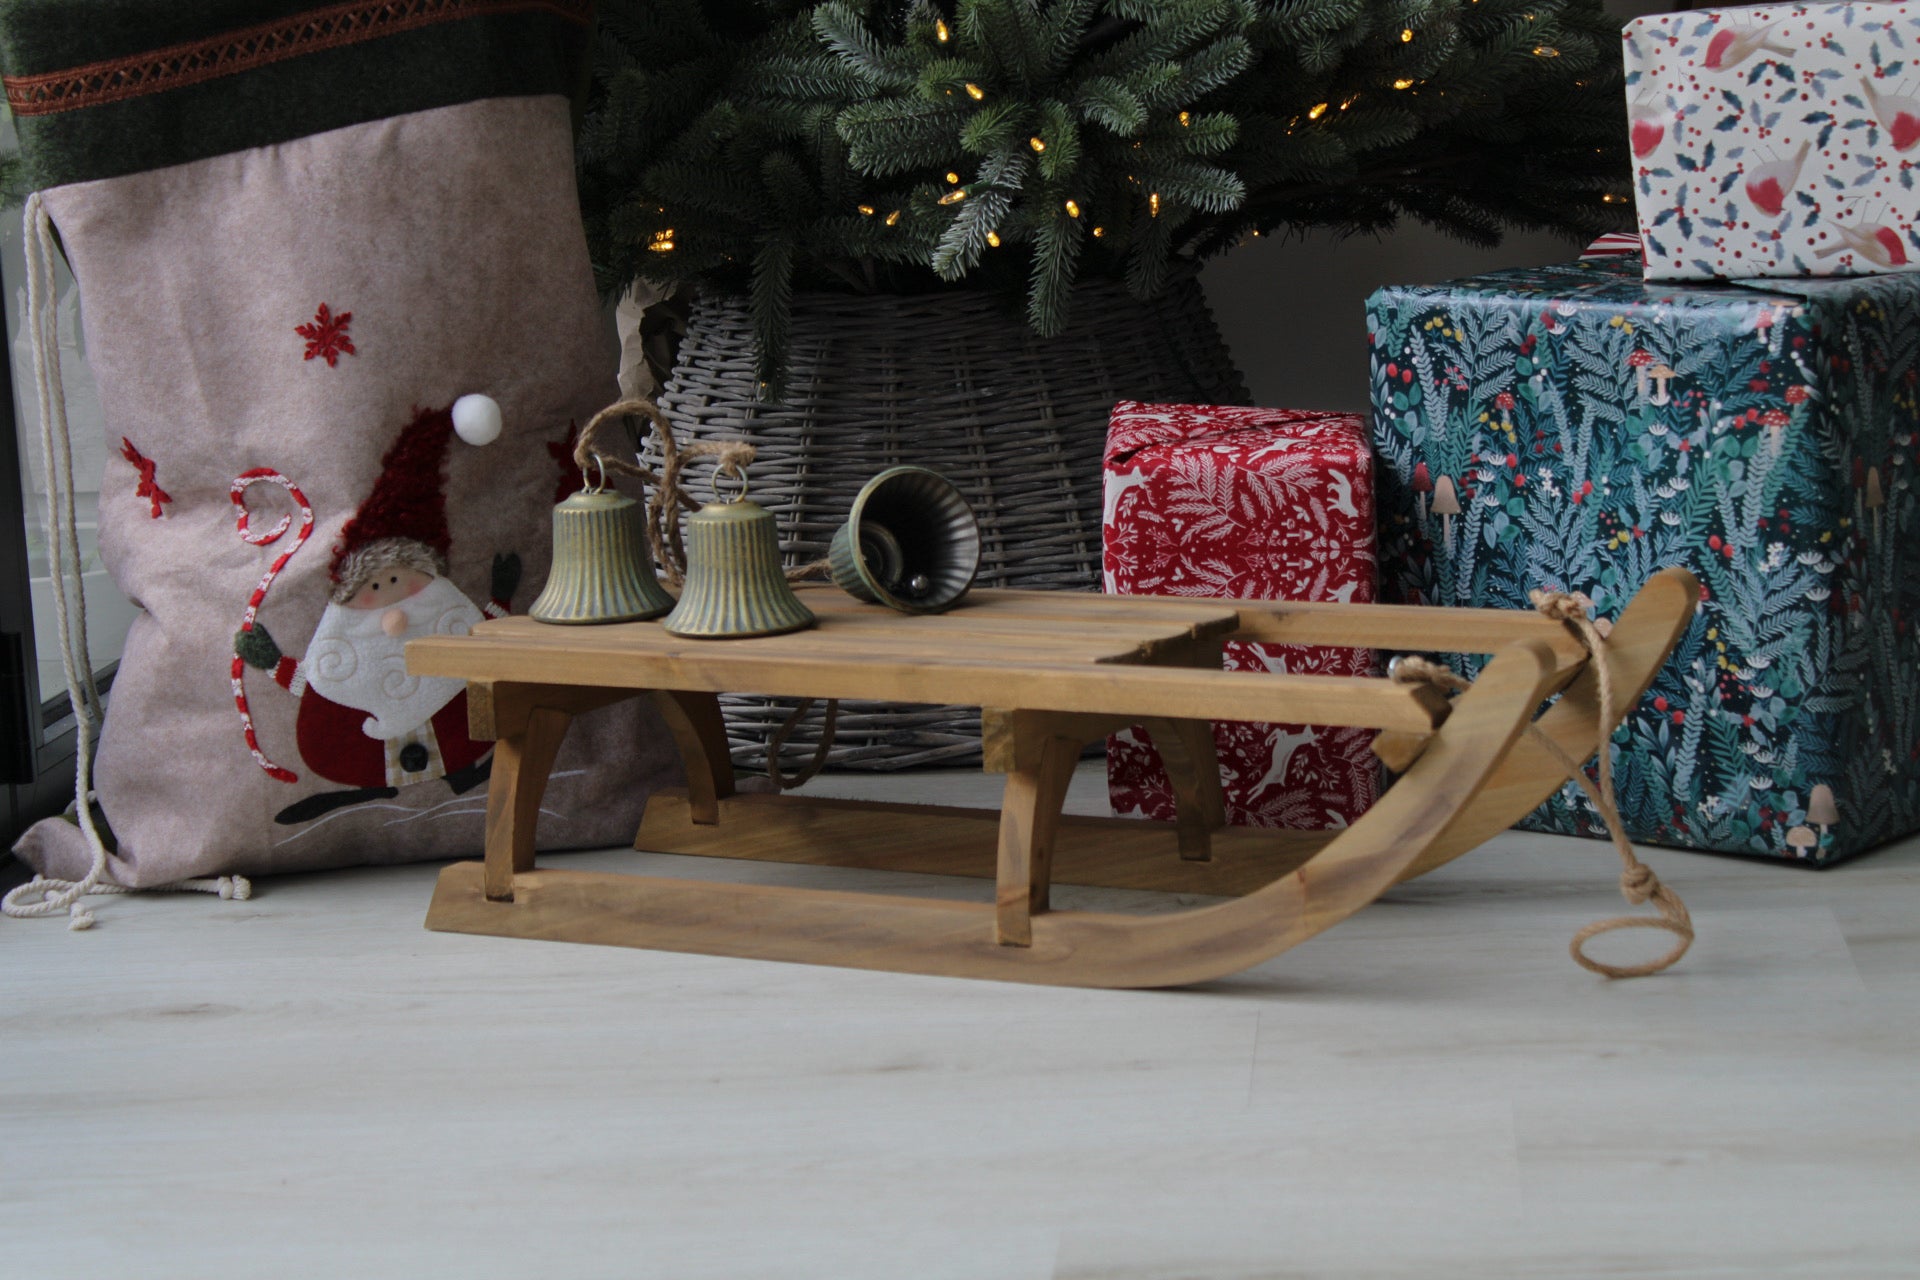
354, 662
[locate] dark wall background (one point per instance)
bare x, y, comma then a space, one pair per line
1293, 310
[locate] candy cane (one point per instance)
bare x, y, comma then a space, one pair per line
244, 481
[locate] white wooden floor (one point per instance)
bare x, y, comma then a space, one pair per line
309, 1084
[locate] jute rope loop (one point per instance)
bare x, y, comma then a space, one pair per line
787, 782
1638, 883
668, 497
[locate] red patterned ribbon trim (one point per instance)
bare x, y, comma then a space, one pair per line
233, 52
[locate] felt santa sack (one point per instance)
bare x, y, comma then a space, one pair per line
338, 301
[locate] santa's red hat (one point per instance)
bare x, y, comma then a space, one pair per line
404, 520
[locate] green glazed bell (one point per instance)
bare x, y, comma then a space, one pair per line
911, 543
602, 571
735, 585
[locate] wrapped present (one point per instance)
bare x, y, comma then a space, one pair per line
1269, 504
1575, 428
1776, 141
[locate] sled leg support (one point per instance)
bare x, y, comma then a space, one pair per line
1037, 751
528, 723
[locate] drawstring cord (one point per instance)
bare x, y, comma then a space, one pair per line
48, 895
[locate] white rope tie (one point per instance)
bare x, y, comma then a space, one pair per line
49, 895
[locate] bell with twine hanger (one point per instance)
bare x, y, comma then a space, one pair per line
602, 570
735, 584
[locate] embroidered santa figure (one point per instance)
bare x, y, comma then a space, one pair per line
364, 721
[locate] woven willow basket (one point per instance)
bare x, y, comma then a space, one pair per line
956, 382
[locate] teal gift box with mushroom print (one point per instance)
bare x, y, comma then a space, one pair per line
1577, 429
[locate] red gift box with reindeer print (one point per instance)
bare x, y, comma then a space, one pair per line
1266, 504
1779, 140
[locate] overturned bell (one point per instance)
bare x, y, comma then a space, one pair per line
601, 569
911, 543
735, 586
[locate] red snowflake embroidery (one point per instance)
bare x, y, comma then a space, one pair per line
572, 479
327, 336
156, 496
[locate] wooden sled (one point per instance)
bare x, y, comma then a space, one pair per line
1053, 672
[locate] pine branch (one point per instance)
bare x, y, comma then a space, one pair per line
988, 199
817, 78
842, 31
787, 188
1056, 253
1066, 30
771, 306
1155, 86
895, 135
1152, 257
995, 127
1112, 105
1060, 138
1205, 135
1167, 29
1202, 187
1211, 67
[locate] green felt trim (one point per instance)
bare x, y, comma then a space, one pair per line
505, 55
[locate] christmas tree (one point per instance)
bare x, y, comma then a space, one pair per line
772, 145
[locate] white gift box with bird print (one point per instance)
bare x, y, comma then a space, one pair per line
1776, 141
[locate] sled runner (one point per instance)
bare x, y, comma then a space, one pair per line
1052, 671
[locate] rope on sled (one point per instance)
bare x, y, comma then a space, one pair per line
1638, 883
667, 499
49, 895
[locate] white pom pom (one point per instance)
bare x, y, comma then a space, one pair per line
476, 419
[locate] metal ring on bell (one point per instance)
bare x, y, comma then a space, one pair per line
725, 472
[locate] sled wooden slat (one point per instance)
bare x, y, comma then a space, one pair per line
1109, 853
1412, 627
1052, 672
856, 635
1054, 606
917, 667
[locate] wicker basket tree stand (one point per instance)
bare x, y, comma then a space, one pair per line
957, 382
